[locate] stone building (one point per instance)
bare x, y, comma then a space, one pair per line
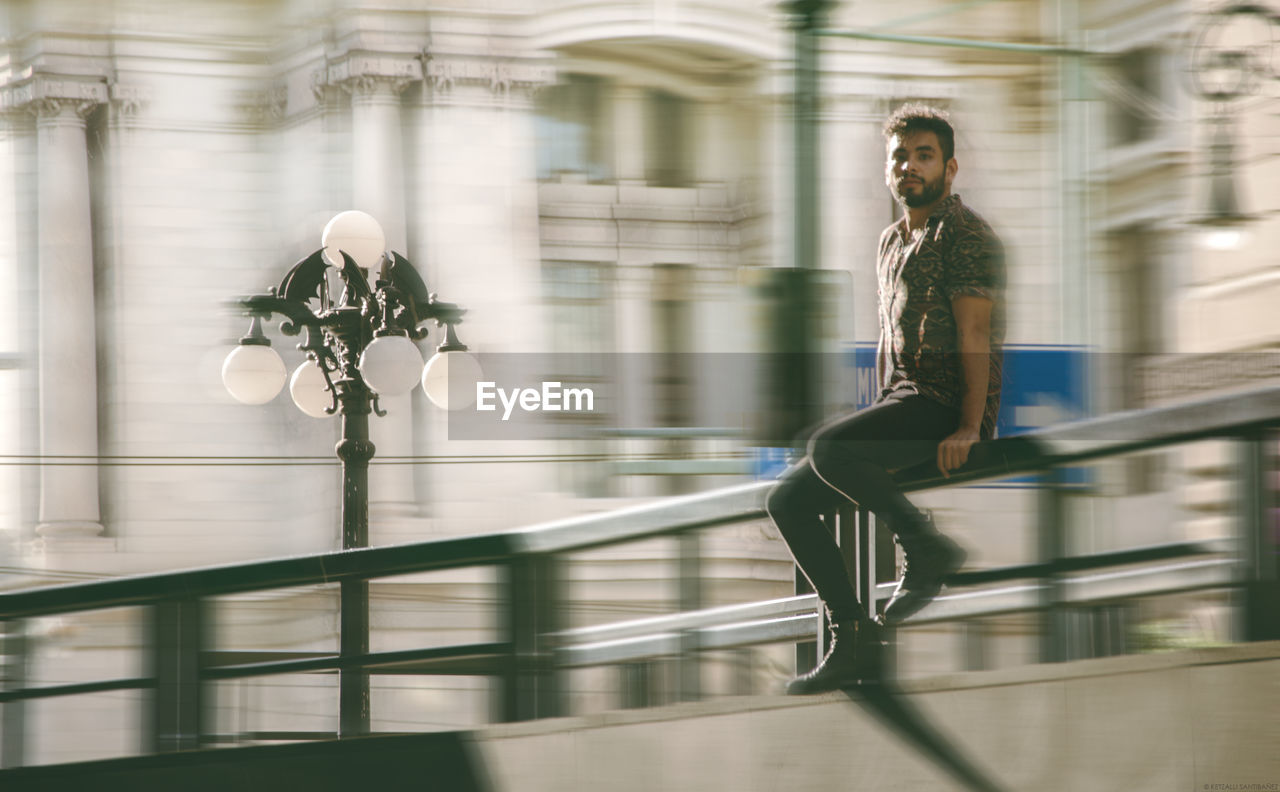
584, 178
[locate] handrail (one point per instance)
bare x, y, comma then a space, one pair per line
1034, 451
532, 646
793, 618
302, 570
797, 618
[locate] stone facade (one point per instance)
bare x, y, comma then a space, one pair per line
160, 159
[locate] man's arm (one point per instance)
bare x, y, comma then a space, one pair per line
881, 364
973, 331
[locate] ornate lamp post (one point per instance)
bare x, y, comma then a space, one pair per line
1232, 54
358, 347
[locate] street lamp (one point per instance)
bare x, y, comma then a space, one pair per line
358, 347
1232, 53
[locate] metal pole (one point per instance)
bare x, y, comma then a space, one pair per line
551, 681
177, 705
857, 545
1052, 549
530, 685
807, 651
1040, 50
806, 16
1259, 563
798, 315
689, 580
355, 451
13, 673
515, 697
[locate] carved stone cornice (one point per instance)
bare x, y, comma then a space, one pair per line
50, 108
374, 84
50, 96
128, 100
501, 77
367, 74
321, 89
264, 107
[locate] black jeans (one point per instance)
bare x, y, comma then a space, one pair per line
851, 458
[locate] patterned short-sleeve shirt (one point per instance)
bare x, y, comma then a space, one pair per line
919, 273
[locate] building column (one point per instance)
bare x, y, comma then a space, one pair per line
715, 141
631, 134
481, 200
11, 355
67, 348
377, 187
479, 205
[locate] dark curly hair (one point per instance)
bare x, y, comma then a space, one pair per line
912, 118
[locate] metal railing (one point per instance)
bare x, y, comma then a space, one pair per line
533, 650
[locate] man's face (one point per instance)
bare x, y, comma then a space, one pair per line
915, 172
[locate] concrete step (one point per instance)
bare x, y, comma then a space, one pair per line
1170, 722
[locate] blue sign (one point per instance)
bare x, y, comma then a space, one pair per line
1043, 385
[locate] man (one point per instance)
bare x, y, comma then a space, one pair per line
941, 276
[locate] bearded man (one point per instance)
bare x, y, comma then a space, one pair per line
940, 271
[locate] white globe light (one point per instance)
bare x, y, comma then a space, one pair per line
253, 373
1225, 238
450, 378
309, 390
391, 364
358, 234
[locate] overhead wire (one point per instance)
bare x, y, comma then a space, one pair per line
41, 460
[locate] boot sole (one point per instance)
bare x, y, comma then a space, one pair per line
900, 609
869, 670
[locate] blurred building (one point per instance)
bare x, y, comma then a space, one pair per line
585, 178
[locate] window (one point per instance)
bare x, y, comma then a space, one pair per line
573, 134
672, 320
1143, 289
668, 144
1136, 103
579, 297
1143, 335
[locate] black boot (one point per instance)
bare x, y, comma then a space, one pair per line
928, 558
854, 657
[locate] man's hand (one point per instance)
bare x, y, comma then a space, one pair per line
953, 451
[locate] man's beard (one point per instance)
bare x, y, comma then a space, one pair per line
929, 193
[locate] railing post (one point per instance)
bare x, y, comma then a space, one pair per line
973, 636
1259, 561
549, 601
530, 685
515, 601
634, 685
1052, 549
353, 641
882, 559
177, 702
861, 544
689, 574
1108, 624
13, 676
884, 551
853, 549
807, 651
